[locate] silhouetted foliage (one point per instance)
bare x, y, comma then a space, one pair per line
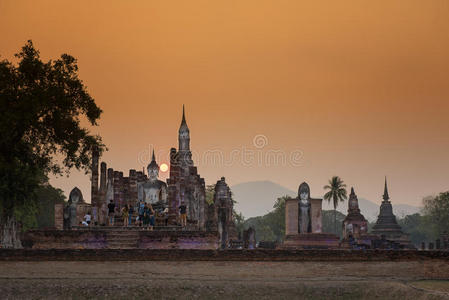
43, 105
47, 196
328, 219
419, 228
337, 193
210, 191
437, 211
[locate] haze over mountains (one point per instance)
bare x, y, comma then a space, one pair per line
257, 198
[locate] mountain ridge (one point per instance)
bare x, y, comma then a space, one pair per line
256, 198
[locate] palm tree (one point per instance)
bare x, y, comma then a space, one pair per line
336, 193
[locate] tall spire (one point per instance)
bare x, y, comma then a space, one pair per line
183, 115
385, 196
184, 133
183, 122
353, 203
153, 164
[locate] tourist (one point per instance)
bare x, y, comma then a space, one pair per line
111, 213
183, 213
151, 212
125, 214
165, 214
87, 218
141, 212
130, 214
146, 216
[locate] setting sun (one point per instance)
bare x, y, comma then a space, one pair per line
164, 168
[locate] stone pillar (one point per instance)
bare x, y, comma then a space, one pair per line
110, 186
121, 191
423, 246
291, 217
132, 187
202, 205
103, 177
59, 216
116, 185
315, 215
94, 179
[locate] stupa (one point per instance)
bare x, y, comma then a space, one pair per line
355, 224
386, 224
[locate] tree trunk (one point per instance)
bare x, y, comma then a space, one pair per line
335, 221
10, 233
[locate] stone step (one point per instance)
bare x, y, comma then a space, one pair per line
122, 240
121, 243
119, 236
122, 246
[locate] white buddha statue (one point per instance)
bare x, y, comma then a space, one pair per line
153, 190
304, 208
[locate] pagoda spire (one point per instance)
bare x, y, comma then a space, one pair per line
183, 115
153, 158
184, 133
385, 196
352, 191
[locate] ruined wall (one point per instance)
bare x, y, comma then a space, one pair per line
315, 215
291, 216
59, 216
178, 240
217, 255
100, 238
64, 239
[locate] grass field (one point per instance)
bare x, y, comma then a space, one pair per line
225, 280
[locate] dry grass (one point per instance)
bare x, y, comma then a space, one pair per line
225, 280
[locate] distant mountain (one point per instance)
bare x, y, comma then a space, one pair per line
257, 198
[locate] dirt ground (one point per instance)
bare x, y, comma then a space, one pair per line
224, 280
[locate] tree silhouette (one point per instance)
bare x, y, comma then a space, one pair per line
43, 105
337, 193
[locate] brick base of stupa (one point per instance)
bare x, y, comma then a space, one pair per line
311, 241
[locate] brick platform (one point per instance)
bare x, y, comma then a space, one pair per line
119, 238
217, 255
311, 241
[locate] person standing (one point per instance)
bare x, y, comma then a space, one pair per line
152, 217
130, 214
111, 213
146, 216
141, 212
88, 218
183, 213
125, 214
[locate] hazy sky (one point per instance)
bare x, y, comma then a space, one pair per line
358, 89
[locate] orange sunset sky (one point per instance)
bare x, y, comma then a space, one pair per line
359, 88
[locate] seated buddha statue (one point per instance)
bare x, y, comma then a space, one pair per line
153, 190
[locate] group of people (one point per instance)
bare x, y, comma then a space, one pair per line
145, 215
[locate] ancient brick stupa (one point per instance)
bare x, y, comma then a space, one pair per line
185, 185
386, 224
355, 224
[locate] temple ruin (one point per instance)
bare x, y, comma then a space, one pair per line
386, 225
303, 222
